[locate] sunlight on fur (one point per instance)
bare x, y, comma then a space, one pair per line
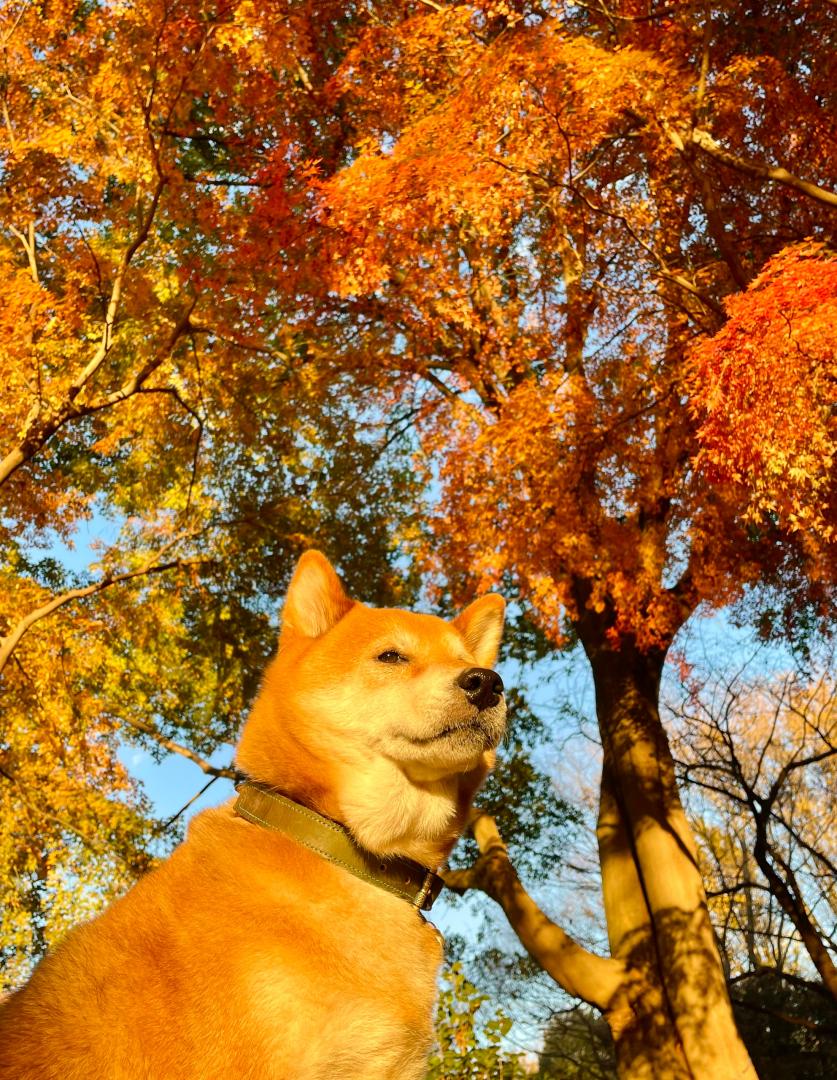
250, 951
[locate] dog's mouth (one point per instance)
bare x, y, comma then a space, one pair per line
484, 725
449, 732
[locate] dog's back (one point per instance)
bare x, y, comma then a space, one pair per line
247, 954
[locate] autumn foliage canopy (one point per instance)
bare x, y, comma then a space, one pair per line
765, 389
274, 272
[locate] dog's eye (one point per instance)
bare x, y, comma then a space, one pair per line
392, 657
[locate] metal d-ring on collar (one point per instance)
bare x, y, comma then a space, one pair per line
403, 877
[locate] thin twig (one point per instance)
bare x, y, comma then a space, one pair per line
152, 732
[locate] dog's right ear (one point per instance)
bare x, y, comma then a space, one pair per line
315, 601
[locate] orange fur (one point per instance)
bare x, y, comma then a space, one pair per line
245, 955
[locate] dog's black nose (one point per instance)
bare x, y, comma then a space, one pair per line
482, 687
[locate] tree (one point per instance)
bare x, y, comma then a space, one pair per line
762, 759
788, 1027
509, 226
156, 384
469, 1047
547, 209
756, 754
577, 1046
764, 387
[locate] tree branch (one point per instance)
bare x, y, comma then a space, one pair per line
788, 1018
765, 970
774, 173
27, 241
663, 271
9, 643
39, 430
789, 897
116, 295
595, 979
226, 771
167, 824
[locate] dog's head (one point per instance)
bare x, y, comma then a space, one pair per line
386, 720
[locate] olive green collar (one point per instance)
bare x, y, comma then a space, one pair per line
403, 877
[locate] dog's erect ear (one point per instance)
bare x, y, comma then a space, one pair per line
481, 624
315, 600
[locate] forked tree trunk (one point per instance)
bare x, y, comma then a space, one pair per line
662, 990
680, 1023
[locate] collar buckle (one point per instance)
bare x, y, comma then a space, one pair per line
423, 900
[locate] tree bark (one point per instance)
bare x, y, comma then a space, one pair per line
663, 990
655, 904
597, 980
647, 1040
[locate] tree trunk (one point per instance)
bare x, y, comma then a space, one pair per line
662, 990
681, 1025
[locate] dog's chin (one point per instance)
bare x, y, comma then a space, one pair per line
454, 744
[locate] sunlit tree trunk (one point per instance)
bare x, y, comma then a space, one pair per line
681, 1023
662, 990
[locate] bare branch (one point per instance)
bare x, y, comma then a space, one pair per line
788, 894
788, 1018
737, 886
177, 748
663, 271
701, 138
27, 240
167, 824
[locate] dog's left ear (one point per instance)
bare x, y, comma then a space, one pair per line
481, 624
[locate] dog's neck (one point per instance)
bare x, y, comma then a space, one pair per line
393, 815
401, 877
388, 814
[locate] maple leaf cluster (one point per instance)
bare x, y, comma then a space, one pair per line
765, 393
169, 440
549, 228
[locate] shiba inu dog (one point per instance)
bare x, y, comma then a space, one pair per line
283, 940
